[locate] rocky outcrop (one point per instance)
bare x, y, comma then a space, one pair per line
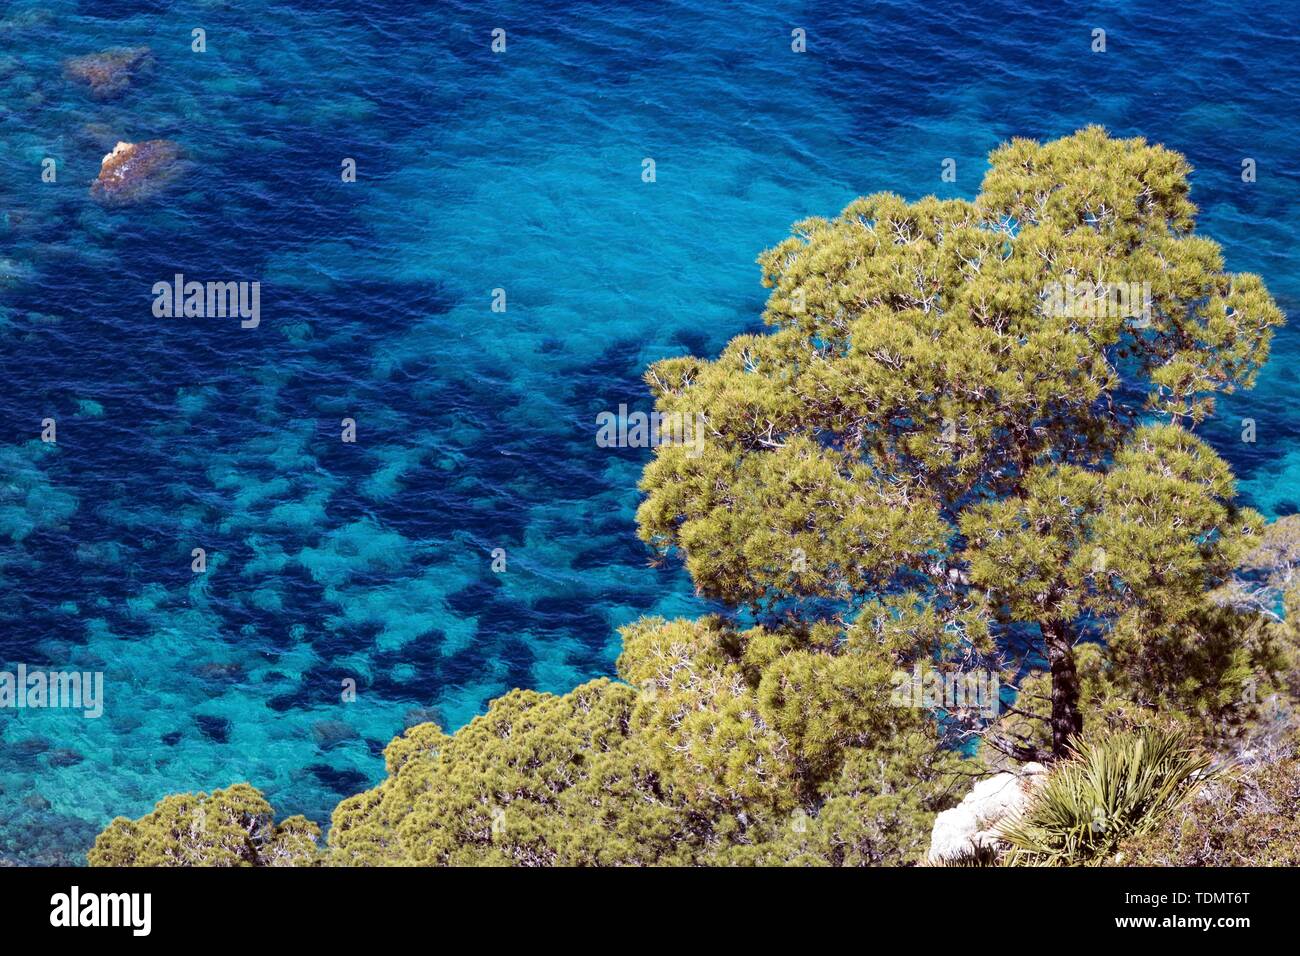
972, 824
109, 73
135, 171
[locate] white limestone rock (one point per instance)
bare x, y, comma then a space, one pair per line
973, 822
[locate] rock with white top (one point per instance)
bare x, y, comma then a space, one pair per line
972, 824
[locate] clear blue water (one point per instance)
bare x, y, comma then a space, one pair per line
476, 171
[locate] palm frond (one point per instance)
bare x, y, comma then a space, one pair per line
1116, 785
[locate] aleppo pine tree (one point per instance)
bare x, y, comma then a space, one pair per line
987, 409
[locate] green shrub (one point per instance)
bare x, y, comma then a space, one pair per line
231, 827
1245, 819
1115, 786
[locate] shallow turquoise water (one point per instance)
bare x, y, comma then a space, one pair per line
522, 172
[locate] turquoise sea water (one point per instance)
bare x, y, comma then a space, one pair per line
477, 171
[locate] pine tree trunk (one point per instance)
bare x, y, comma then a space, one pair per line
1067, 721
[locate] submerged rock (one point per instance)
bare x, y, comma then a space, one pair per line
216, 729
30, 747
420, 715
109, 73
47, 838
135, 171
217, 671
64, 757
342, 781
331, 733
972, 824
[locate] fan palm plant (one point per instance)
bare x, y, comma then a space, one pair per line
1115, 785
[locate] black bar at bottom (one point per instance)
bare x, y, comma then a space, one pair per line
341, 906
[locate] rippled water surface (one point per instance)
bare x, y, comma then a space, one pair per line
519, 171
